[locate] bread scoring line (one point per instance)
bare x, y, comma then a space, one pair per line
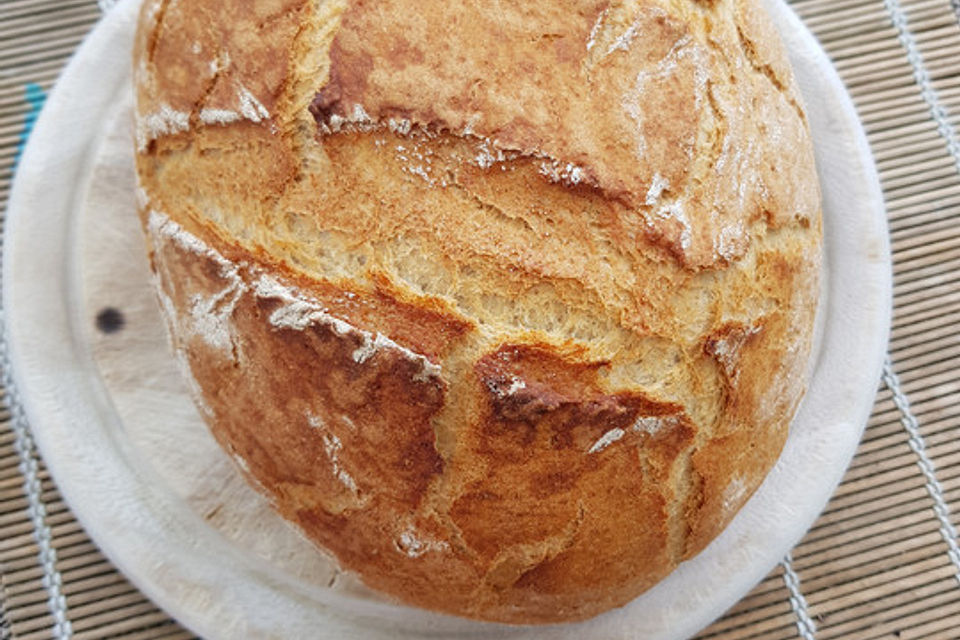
296, 312
489, 152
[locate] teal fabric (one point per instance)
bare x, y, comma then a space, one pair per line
35, 96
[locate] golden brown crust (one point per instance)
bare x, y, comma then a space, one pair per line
534, 78
508, 309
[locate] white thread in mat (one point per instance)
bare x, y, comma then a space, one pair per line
106, 5
805, 625
26, 450
36, 509
922, 77
909, 422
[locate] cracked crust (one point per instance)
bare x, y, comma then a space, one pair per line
508, 309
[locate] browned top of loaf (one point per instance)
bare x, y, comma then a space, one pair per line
655, 104
576, 85
598, 221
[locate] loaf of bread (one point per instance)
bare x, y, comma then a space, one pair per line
506, 305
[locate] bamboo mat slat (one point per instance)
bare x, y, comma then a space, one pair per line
874, 566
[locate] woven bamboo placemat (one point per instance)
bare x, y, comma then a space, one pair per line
882, 560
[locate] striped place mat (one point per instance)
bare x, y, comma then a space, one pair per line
880, 563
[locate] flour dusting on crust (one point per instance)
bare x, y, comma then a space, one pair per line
164, 121
218, 116
332, 445
607, 439
414, 544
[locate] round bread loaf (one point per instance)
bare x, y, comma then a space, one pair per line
506, 305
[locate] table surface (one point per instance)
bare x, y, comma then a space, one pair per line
882, 560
